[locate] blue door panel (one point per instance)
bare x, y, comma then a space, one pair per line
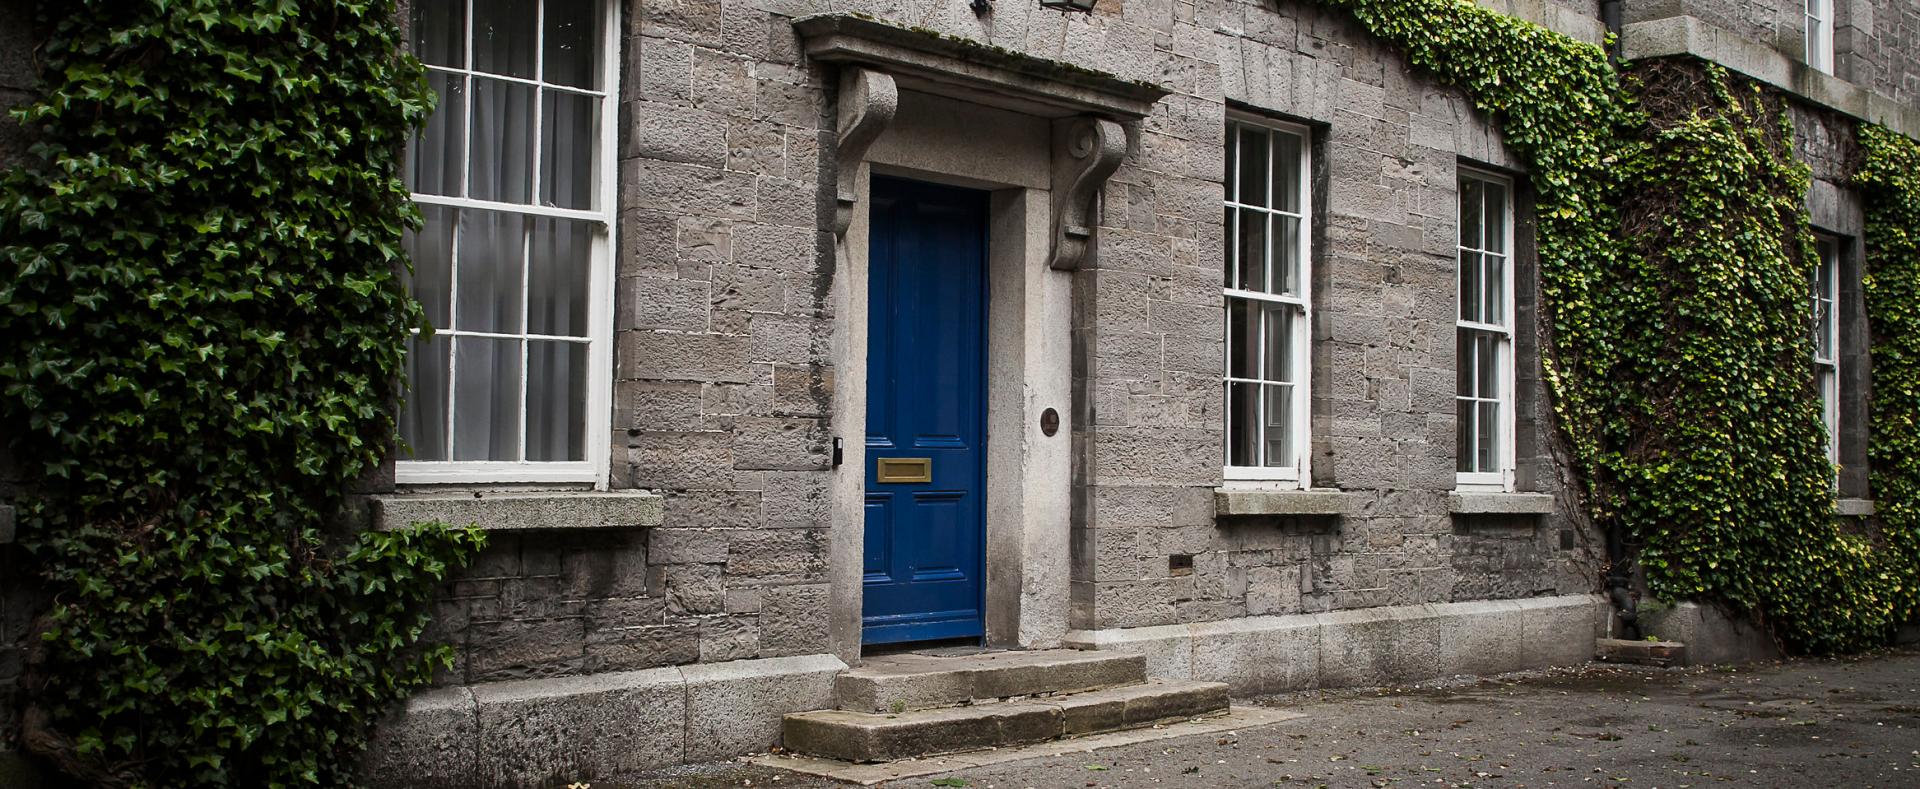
925, 399
878, 564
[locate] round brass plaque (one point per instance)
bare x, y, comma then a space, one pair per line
1049, 421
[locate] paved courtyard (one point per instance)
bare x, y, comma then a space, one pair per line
1846, 722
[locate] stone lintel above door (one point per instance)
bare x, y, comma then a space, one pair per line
931, 62
1089, 109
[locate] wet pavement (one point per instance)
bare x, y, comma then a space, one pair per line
1851, 722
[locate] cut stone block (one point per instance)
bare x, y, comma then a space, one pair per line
875, 737
1227, 501
897, 683
1644, 653
620, 509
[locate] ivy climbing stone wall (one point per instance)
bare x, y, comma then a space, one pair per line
18, 595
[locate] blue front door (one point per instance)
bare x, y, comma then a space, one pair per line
926, 351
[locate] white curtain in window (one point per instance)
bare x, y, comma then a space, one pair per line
505, 380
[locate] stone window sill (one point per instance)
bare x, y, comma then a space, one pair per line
517, 511
1243, 501
1854, 508
1469, 503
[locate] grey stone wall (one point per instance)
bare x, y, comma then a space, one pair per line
1781, 24
724, 373
1876, 42
1878, 46
551, 604
723, 376
1387, 145
723, 322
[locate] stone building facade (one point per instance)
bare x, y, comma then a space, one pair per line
693, 559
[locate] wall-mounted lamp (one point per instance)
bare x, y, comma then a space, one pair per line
1083, 6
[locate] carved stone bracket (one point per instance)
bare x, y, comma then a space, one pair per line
1086, 151
868, 101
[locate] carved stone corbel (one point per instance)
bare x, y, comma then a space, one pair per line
1086, 151
868, 101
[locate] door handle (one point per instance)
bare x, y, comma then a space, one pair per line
896, 470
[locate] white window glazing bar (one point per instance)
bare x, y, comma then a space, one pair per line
599, 288
599, 421
510, 336
1502, 451
526, 232
1826, 346
453, 264
533, 83
1295, 306
1819, 35
529, 209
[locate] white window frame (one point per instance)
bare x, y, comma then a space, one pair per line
1297, 473
1827, 368
1499, 480
1820, 35
595, 468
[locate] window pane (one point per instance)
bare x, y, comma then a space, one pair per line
1486, 353
1470, 286
486, 399
556, 400
1279, 416
557, 272
1253, 166
431, 249
1463, 415
501, 167
1464, 362
1496, 228
1472, 199
1286, 172
492, 245
1243, 340
439, 32
1232, 267
1486, 437
1493, 307
504, 36
1279, 355
1823, 329
423, 418
567, 128
1232, 175
1286, 256
1243, 422
1253, 249
436, 155
572, 36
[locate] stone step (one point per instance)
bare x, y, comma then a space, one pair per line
1644, 653
877, 737
905, 682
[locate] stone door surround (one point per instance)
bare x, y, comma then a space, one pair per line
1088, 107
911, 103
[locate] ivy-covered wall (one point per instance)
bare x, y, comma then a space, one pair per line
19, 593
204, 325
1675, 267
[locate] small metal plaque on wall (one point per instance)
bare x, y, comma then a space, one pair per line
1049, 421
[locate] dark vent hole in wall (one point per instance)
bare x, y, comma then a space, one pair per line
1180, 564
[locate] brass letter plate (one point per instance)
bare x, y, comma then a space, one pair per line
904, 470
